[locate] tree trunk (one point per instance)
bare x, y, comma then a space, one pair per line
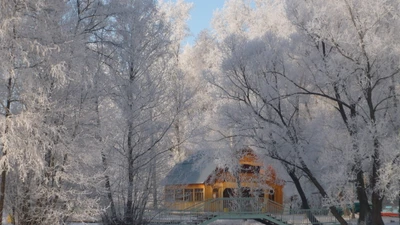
154, 184
108, 189
364, 214
2, 192
25, 216
105, 166
153, 168
129, 201
4, 153
178, 151
321, 190
365, 210
376, 217
304, 201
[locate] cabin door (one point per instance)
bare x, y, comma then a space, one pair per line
216, 206
215, 193
228, 193
227, 203
246, 200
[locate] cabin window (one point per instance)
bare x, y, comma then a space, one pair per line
179, 195
245, 168
198, 194
271, 195
169, 195
188, 195
258, 193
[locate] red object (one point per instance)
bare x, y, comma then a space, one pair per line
390, 214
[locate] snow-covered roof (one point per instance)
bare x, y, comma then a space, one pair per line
194, 170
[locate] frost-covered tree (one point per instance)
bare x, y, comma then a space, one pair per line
41, 46
348, 54
262, 112
139, 50
86, 80
344, 55
251, 18
255, 109
179, 82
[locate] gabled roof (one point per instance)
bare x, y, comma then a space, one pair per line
200, 169
194, 170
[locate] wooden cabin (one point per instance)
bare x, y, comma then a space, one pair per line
196, 180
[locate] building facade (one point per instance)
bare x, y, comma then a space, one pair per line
191, 183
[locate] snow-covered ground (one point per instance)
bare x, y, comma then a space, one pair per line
387, 220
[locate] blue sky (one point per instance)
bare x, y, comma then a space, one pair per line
201, 14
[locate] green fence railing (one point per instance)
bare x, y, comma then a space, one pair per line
241, 208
